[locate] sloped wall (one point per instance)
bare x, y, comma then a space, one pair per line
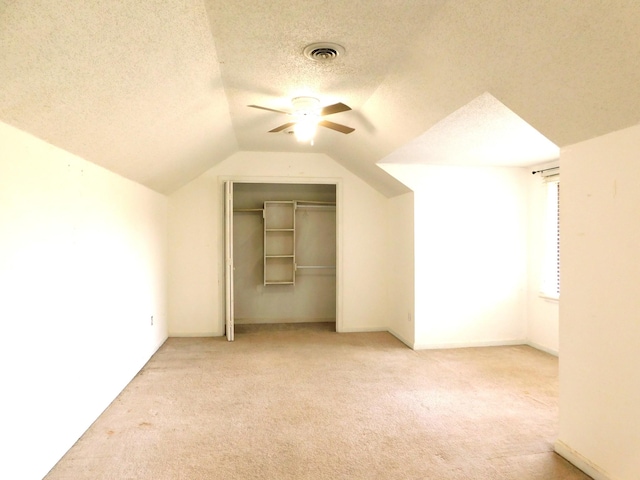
82, 269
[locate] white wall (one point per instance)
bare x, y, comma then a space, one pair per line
82, 269
542, 313
470, 254
194, 292
600, 305
196, 240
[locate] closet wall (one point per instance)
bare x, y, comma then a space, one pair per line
312, 296
196, 243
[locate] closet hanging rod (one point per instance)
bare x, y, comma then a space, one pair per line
314, 202
248, 210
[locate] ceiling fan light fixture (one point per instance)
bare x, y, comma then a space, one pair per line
306, 111
305, 127
308, 115
305, 106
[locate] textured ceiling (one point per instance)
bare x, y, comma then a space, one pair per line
157, 90
482, 133
133, 86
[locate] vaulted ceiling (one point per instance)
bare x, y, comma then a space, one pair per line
157, 90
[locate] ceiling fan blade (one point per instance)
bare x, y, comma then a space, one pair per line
335, 108
268, 109
336, 126
282, 127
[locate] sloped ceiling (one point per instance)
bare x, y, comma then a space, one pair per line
158, 90
482, 133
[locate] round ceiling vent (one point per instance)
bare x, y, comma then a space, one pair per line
323, 52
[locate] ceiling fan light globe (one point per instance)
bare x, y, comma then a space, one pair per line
305, 129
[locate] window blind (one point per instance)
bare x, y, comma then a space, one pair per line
551, 258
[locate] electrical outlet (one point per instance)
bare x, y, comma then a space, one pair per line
151, 319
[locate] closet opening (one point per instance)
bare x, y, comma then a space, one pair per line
283, 255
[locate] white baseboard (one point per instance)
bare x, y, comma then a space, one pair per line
363, 329
493, 343
581, 462
194, 334
401, 338
542, 348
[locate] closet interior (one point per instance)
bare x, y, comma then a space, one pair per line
284, 253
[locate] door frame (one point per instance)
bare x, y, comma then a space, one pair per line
339, 238
229, 312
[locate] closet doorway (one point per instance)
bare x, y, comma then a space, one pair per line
281, 253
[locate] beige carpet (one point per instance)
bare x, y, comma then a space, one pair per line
303, 402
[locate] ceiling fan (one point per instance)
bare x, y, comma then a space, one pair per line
308, 115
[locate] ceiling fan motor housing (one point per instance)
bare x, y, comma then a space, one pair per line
306, 106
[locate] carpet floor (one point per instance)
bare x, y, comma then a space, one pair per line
303, 402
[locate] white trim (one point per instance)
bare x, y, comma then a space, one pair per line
584, 464
542, 348
489, 343
337, 181
265, 179
339, 263
228, 261
364, 330
195, 334
401, 338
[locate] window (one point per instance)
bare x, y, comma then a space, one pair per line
551, 254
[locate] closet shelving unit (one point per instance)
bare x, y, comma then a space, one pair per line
279, 220
279, 242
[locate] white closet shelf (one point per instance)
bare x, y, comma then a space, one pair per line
315, 266
317, 207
